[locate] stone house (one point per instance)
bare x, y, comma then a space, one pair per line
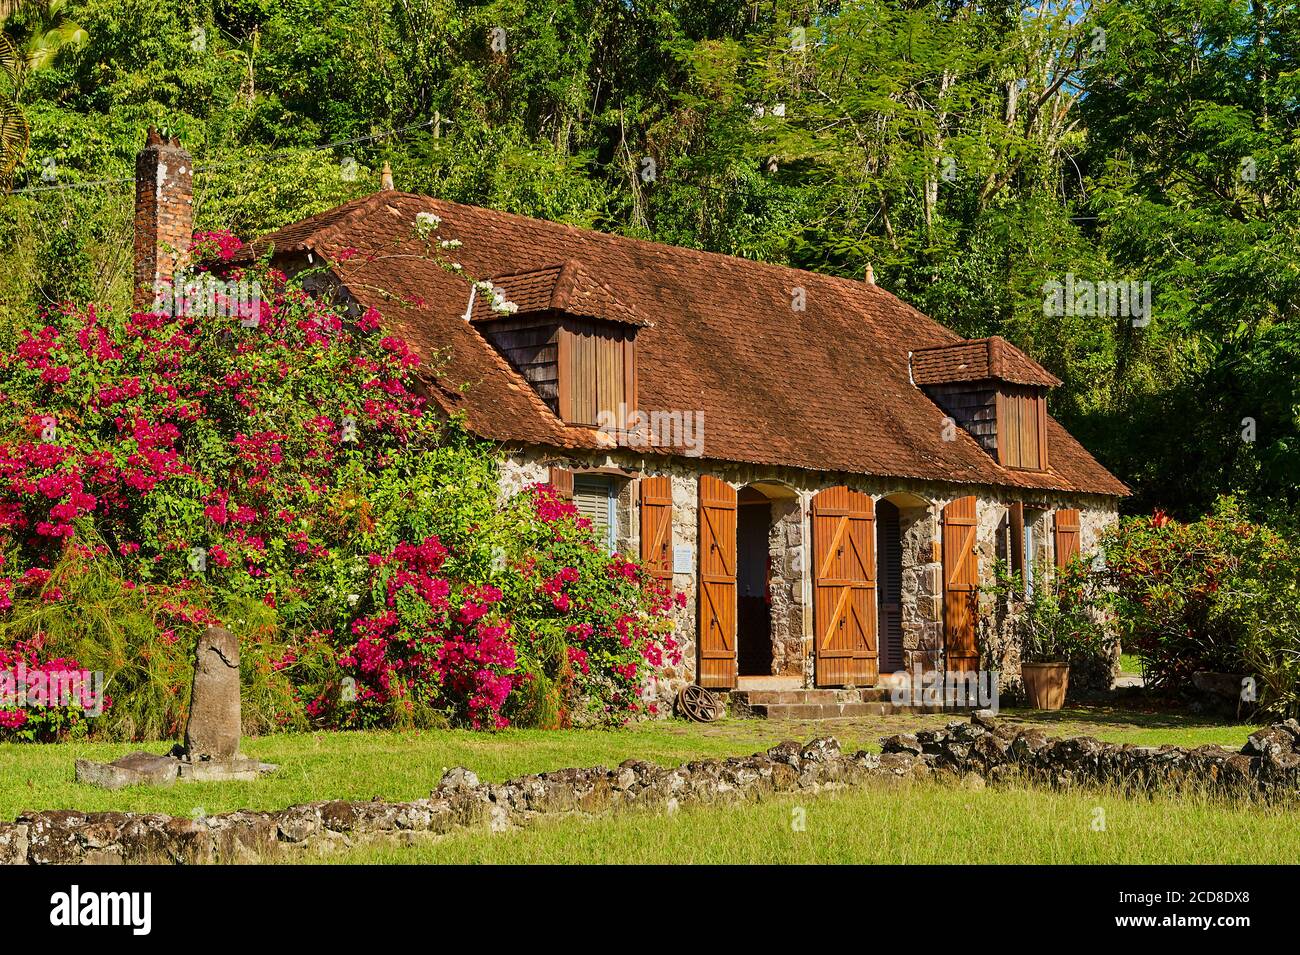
824, 472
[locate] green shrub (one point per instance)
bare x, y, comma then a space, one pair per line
1219, 594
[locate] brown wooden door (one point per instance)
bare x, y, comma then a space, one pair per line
657, 528
1067, 535
961, 585
717, 604
844, 588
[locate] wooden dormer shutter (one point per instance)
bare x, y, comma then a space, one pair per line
1022, 427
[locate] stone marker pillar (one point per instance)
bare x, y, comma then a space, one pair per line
211, 750
213, 728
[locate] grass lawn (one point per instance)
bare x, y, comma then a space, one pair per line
406, 765
917, 824
1130, 663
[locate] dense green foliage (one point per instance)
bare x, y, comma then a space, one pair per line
968, 153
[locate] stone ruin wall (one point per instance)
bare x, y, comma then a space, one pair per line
982, 752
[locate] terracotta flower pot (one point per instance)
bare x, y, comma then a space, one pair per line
1045, 684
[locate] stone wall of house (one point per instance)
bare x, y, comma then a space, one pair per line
997, 651
520, 471
686, 533
922, 592
786, 548
791, 492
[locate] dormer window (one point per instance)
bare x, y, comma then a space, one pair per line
993, 390
570, 338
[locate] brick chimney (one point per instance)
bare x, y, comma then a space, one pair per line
164, 215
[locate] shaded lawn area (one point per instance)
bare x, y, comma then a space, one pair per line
406, 765
917, 824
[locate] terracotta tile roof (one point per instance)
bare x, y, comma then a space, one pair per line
563, 287
979, 359
825, 388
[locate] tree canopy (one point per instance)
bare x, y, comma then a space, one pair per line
968, 153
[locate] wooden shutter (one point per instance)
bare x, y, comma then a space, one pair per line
717, 604
657, 528
1022, 428
562, 481
1040, 414
960, 585
844, 589
1067, 535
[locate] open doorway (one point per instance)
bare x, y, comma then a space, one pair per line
753, 593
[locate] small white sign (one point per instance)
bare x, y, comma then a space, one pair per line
683, 559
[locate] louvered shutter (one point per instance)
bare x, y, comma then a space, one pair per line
592, 498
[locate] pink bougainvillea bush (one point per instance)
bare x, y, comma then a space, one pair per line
243, 454
555, 632
45, 698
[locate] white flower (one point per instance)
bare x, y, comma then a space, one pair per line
501, 304
426, 223
352, 599
450, 243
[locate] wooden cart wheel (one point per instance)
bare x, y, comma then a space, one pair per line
698, 704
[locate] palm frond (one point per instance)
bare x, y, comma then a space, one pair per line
14, 138
11, 60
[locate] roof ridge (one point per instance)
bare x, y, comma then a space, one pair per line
615, 237
365, 203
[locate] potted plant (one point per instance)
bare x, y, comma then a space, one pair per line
1046, 637
1051, 624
